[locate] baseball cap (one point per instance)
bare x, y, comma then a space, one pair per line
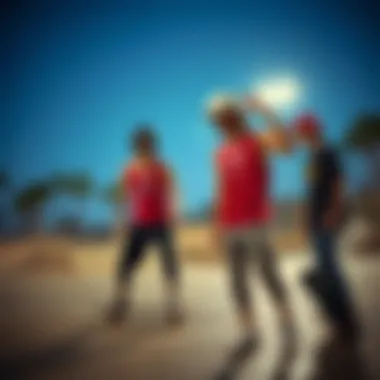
307, 124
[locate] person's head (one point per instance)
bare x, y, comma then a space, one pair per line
144, 140
308, 130
227, 114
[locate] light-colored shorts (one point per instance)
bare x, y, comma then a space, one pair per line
246, 249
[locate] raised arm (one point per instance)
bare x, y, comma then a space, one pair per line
276, 138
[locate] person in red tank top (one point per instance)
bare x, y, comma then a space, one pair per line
146, 184
149, 194
242, 202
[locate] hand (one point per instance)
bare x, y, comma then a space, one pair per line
254, 103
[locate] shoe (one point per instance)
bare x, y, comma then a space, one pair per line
174, 317
243, 350
313, 281
118, 312
349, 331
248, 345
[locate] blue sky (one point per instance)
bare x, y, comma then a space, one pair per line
80, 75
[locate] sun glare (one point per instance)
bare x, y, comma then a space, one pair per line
279, 92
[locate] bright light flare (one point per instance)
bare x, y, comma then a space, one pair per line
279, 92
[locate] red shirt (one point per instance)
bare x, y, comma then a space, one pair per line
244, 197
147, 189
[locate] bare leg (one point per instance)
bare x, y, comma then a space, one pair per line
275, 285
238, 258
131, 256
171, 272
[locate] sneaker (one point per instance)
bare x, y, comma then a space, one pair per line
174, 316
118, 312
243, 350
238, 356
312, 280
248, 345
349, 331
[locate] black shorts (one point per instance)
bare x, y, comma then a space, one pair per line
138, 240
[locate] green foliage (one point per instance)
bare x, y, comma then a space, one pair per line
114, 194
365, 132
78, 185
32, 197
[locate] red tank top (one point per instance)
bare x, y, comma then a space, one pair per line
244, 197
148, 193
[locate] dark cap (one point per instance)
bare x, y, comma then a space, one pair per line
307, 124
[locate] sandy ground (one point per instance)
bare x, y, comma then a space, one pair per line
62, 255
53, 294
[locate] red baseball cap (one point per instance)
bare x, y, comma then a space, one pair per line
307, 124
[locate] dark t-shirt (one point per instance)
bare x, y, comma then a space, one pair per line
323, 171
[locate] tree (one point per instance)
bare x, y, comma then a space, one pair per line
114, 194
76, 185
364, 136
29, 203
365, 132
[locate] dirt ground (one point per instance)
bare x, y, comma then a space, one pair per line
63, 255
52, 327
54, 291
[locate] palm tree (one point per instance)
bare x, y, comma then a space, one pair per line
364, 136
76, 185
30, 201
113, 194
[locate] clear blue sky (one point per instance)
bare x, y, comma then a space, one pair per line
79, 76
